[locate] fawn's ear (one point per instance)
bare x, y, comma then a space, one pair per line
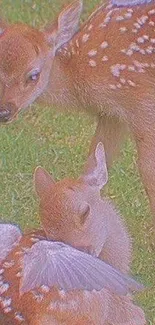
95, 171
66, 26
43, 182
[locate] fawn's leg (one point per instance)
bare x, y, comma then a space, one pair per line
144, 134
111, 131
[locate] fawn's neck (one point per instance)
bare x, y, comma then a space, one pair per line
61, 89
117, 247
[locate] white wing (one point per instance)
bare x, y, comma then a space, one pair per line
57, 264
9, 238
125, 3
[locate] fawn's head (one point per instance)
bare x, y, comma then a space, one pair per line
69, 208
26, 56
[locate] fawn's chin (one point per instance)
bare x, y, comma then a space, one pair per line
10, 120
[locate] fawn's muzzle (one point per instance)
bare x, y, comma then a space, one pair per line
7, 111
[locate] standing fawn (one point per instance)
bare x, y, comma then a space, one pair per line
72, 213
106, 67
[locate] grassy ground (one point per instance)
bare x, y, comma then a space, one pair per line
60, 143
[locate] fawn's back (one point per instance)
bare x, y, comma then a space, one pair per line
113, 56
43, 305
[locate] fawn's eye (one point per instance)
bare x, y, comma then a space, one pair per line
33, 76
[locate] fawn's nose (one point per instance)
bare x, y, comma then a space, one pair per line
6, 111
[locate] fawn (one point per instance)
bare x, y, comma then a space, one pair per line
105, 67
72, 213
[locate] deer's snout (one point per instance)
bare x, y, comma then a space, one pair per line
6, 112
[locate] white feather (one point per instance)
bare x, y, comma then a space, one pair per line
125, 3
56, 264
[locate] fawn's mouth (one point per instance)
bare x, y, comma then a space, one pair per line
4, 115
7, 117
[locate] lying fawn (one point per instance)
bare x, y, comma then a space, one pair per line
72, 213
25, 297
106, 67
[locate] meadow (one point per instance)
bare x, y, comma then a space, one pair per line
59, 142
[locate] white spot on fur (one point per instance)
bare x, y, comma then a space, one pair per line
19, 274
87, 293
113, 87
122, 80
123, 29
142, 51
134, 30
134, 47
102, 25
109, 6
45, 288
140, 40
146, 37
19, 253
149, 50
38, 296
115, 70
4, 287
151, 23
151, 12
129, 52
104, 45
128, 15
7, 310
6, 302
107, 20
105, 58
119, 18
34, 240
131, 83
90, 27
152, 40
139, 66
62, 293
123, 51
142, 20
8, 265
137, 25
130, 10
1, 271
131, 68
92, 63
19, 317
122, 66
85, 38
146, 65
92, 53
77, 43
53, 305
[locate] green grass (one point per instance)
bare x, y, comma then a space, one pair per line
60, 142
